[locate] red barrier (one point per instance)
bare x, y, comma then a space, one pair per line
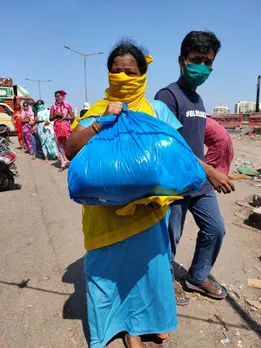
229, 121
255, 120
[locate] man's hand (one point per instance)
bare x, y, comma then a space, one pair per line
220, 181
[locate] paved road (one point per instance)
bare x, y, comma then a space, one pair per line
41, 240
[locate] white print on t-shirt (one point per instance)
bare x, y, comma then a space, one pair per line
196, 113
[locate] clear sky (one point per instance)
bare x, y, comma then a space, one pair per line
35, 31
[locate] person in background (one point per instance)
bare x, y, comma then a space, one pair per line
220, 151
86, 107
45, 131
129, 286
26, 120
33, 106
62, 114
16, 119
35, 138
198, 52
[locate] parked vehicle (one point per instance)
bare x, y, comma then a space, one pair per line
11, 95
8, 169
6, 115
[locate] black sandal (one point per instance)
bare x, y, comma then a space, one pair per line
209, 291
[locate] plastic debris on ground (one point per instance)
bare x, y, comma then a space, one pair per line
248, 171
225, 341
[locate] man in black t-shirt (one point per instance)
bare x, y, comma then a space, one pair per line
198, 51
86, 107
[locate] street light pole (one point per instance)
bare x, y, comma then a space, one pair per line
257, 93
85, 66
39, 88
85, 77
39, 85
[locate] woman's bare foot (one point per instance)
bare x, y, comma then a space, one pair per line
133, 341
46, 160
154, 345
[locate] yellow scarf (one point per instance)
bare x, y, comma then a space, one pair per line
122, 88
103, 226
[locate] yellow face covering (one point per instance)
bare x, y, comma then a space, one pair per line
103, 226
123, 88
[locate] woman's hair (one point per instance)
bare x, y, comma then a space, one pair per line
40, 100
25, 103
62, 92
201, 41
127, 46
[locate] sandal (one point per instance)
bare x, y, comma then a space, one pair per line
208, 290
163, 336
179, 291
61, 169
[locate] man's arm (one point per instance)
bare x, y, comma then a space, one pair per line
219, 180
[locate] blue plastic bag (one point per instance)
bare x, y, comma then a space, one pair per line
135, 155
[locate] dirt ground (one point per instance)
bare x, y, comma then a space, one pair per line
41, 243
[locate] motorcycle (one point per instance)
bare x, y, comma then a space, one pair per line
8, 169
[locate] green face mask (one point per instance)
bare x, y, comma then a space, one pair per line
196, 74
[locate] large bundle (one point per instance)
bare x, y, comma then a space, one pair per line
133, 156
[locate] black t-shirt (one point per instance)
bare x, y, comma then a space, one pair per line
82, 112
188, 107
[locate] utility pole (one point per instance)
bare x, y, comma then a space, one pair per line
39, 85
84, 64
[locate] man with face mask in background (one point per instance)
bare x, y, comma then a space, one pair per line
198, 51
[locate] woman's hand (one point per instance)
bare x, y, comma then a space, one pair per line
59, 115
113, 108
149, 208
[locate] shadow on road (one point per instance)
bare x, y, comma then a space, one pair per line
24, 285
15, 187
75, 307
56, 164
